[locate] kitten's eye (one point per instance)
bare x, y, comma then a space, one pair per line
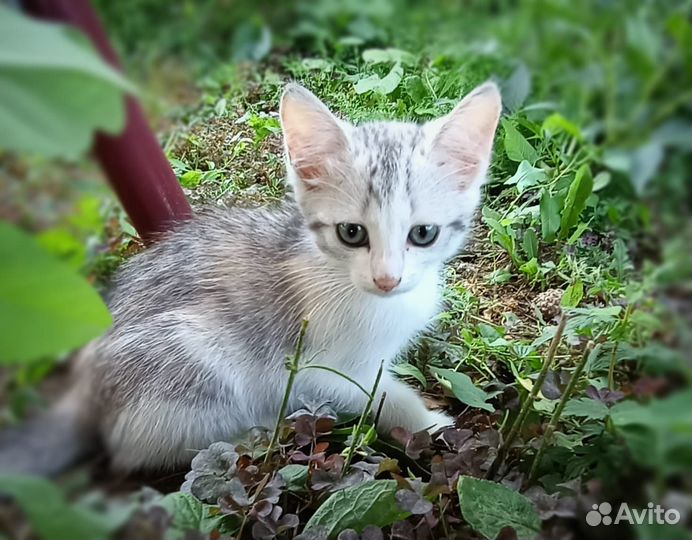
423, 235
352, 234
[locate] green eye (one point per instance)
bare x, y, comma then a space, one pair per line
352, 234
423, 235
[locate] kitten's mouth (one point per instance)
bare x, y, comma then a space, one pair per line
386, 294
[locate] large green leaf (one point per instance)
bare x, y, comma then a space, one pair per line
584, 407
550, 216
527, 176
46, 307
517, 147
464, 390
385, 85
190, 514
409, 370
388, 56
54, 89
579, 191
658, 433
50, 514
573, 295
488, 507
530, 243
370, 503
295, 475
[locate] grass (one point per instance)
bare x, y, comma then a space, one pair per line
585, 218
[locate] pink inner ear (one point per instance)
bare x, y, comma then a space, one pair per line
311, 161
313, 136
463, 157
465, 140
309, 170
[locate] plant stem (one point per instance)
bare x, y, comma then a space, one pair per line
613, 355
557, 413
242, 526
361, 421
379, 409
337, 372
530, 398
293, 366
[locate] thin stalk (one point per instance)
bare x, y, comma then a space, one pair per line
613, 355
242, 526
379, 410
528, 403
557, 413
337, 372
361, 421
293, 366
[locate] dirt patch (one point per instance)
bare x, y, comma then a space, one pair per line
247, 164
473, 269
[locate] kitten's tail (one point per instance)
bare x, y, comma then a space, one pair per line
51, 442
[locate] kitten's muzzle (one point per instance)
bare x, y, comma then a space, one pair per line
386, 283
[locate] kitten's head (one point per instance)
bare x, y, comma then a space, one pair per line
389, 201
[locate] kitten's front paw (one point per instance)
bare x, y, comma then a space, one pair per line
438, 420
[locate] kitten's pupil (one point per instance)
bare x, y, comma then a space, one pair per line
423, 235
352, 234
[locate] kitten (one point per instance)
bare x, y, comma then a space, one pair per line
204, 320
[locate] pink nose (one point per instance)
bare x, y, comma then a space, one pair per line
386, 283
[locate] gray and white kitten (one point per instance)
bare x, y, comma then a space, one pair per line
204, 319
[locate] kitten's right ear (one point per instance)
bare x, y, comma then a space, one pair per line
313, 136
464, 138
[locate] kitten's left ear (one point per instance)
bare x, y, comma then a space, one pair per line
464, 138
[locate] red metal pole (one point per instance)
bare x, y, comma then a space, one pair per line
133, 161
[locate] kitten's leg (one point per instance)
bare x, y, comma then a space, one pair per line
403, 407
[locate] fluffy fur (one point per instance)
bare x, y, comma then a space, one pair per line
205, 319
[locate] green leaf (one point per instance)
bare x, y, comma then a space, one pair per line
557, 123
64, 245
295, 476
588, 408
190, 514
252, 41
388, 56
530, 243
573, 295
530, 267
370, 503
657, 433
409, 370
579, 191
516, 146
54, 89
582, 227
464, 390
191, 179
390, 81
601, 180
516, 88
50, 514
527, 177
550, 216
488, 507
46, 307
500, 234
385, 85
318, 64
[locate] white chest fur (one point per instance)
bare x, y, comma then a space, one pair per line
354, 333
